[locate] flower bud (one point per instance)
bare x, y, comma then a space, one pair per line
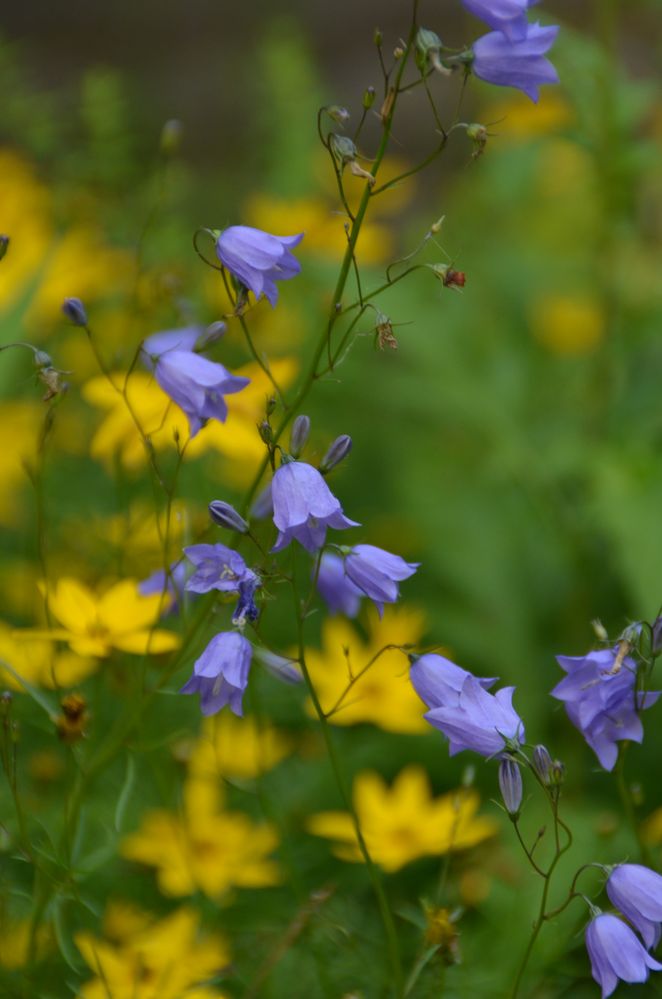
42, 359
226, 516
75, 312
378, 37
213, 333
398, 52
338, 114
557, 776
368, 98
542, 764
478, 135
343, 148
4, 245
299, 435
600, 630
428, 49
449, 277
384, 335
171, 137
510, 783
338, 450
271, 405
265, 431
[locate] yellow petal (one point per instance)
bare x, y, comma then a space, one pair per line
147, 642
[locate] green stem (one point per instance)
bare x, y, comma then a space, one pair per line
628, 805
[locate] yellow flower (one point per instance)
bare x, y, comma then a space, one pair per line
120, 618
19, 428
35, 660
518, 118
383, 693
204, 849
162, 421
15, 942
236, 747
651, 828
145, 958
567, 324
404, 822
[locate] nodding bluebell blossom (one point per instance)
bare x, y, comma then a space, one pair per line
616, 953
601, 700
220, 568
246, 609
196, 384
637, 892
337, 590
220, 674
304, 507
517, 63
463, 710
257, 259
377, 573
508, 16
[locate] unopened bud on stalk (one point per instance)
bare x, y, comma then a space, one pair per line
4, 245
226, 516
368, 98
600, 630
299, 435
510, 783
265, 431
338, 450
557, 773
378, 37
398, 52
211, 335
75, 312
478, 135
428, 51
449, 277
542, 764
338, 114
171, 137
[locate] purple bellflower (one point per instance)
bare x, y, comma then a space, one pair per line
338, 592
517, 63
637, 892
220, 568
196, 384
438, 681
220, 675
508, 16
377, 573
304, 507
615, 952
258, 259
601, 701
461, 707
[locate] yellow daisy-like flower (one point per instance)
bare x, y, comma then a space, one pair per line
35, 660
204, 849
93, 625
146, 958
236, 747
381, 694
404, 822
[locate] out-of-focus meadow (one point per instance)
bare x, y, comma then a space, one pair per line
511, 444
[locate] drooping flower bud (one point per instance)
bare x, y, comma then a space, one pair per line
449, 277
299, 435
211, 335
4, 245
542, 764
428, 51
338, 450
338, 114
225, 515
75, 312
510, 783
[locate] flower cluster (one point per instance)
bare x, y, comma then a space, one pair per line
513, 54
601, 700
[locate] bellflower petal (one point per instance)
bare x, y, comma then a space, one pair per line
338, 592
438, 681
637, 892
220, 674
615, 952
508, 16
517, 63
304, 507
216, 568
478, 720
377, 573
258, 259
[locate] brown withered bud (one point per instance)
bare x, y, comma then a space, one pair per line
70, 725
441, 932
384, 335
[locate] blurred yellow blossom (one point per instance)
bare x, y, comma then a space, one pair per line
35, 660
94, 624
517, 118
383, 693
162, 421
404, 822
45, 266
145, 958
15, 941
651, 828
567, 324
19, 429
236, 747
204, 848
